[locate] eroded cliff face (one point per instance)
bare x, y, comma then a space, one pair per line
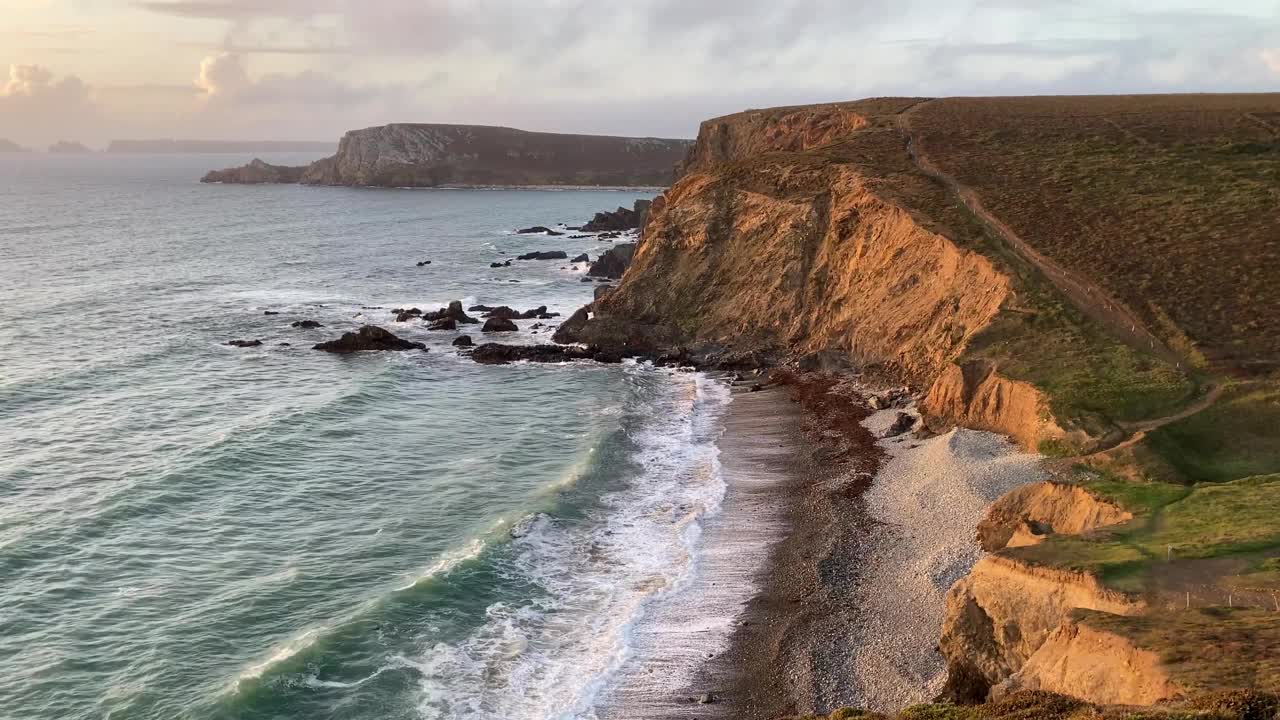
1030, 513
796, 260
1103, 667
1000, 614
750, 134
419, 155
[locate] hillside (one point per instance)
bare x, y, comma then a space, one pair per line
408, 155
1091, 276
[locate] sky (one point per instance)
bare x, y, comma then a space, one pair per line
95, 70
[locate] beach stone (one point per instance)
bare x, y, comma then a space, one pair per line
463, 341
902, 424
369, 337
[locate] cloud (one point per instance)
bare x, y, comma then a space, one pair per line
1271, 58
222, 75
225, 79
37, 106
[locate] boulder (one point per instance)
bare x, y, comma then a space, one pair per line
463, 341
306, 324
500, 264
423, 262
244, 343
537, 312
904, 423
533, 230
499, 354
544, 255
369, 337
497, 324
620, 219
270, 312
502, 312
613, 263
479, 308
444, 324
453, 312
581, 258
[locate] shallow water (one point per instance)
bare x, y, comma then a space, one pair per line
199, 531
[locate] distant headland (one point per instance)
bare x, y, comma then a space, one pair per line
416, 155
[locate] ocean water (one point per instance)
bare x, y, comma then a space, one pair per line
191, 530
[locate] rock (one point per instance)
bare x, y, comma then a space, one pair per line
423, 262
533, 230
601, 291
756, 387
903, 424
579, 237
534, 313
581, 258
585, 279
453, 312
544, 255
244, 343
444, 324
369, 337
499, 354
609, 358
463, 341
406, 316
497, 324
614, 262
502, 312
620, 219
569, 330
306, 324
256, 172
707, 699
270, 312
553, 233
500, 264
285, 344
479, 308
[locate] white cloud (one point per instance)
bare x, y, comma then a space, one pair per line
38, 108
1271, 57
222, 74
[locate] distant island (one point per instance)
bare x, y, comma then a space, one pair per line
418, 155
8, 146
219, 146
68, 147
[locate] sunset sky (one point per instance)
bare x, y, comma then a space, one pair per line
92, 70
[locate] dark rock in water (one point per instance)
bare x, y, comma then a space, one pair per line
585, 279
369, 337
255, 173
497, 324
569, 329
306, 324
453, 312
553, 233
610, 358
579, 237
407, 316
904, 423
536, 312
244, 343
444, 324
620, 219
499, 354
613, 263
581, 258
500, 264
533, 230
270, 312
573, 228
479, 308
502, 311
544, 255
423, 262
464, 341
285, 344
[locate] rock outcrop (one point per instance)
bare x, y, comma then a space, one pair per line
413, 155
255, 173
369, 337
613, 262
620, 219
973, 395
1028, 514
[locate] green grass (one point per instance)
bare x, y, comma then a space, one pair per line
1208, 521
1139, 498
1238, 437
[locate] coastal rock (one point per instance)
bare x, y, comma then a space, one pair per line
499, 354
463, 341
244, 343
444, 324
423, 262
620, 219
306, 324
533, 230
544, 255
497, 324
271, 312
500, 264
904, 423
453, 312
369, 337
255, 173
614, 262
581, 258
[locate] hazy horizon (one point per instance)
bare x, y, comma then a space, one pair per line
311, 70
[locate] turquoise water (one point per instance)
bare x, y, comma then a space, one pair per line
190, 530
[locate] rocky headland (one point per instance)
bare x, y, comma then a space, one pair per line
1128, 561
423, 155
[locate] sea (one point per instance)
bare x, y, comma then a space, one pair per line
194, 530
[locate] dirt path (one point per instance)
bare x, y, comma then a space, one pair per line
1087, 296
